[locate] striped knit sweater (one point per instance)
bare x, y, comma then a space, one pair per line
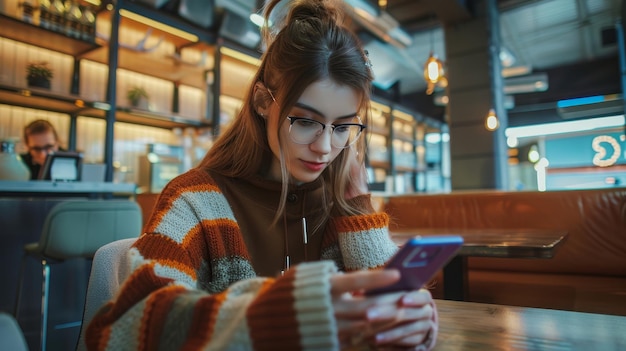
193, 287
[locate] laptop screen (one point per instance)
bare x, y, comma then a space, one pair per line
62, 166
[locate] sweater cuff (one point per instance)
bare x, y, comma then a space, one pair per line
296, 311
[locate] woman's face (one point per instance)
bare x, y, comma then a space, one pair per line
323, 101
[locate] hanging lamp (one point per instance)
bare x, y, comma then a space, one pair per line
433, 68
491, 122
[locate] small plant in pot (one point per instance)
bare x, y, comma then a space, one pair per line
138, 97
39, 74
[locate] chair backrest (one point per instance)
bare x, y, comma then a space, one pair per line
11, 336
77, 228
109, 269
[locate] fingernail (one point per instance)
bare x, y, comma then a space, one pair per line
381, 337
408, 299
373, 313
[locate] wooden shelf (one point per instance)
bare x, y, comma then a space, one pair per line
379, 164
157, 119
18, 30
374, 129
42, 99
404, 169
404, 137
153, 65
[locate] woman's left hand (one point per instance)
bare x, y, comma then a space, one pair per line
410, 323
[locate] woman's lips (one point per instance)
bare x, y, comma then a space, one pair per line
314, 166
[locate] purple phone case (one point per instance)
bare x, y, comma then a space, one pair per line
419, 259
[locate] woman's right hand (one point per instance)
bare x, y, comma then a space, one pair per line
351, 305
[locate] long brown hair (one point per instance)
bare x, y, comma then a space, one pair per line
306, 43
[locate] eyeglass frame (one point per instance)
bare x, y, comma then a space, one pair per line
45, 148
292, 119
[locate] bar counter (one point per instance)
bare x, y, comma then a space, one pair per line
24, 206
51, 188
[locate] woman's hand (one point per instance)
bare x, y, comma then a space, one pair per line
395, 320
406, 325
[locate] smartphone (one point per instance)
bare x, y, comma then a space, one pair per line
419, 259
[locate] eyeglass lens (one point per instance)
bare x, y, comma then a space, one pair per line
306, 131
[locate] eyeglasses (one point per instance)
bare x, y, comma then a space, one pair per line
306, 131
46, 148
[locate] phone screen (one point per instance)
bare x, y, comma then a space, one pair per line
419, 259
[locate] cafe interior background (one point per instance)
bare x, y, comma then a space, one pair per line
560, 104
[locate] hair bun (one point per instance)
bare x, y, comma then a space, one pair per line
281, 13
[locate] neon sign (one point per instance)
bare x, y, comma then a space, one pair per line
601, 151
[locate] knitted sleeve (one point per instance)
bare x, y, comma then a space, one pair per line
363, 240
192, 287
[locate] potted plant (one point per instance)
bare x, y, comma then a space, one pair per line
38, 74
138, 97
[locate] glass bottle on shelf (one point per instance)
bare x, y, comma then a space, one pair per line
28, 11
73, 16
57, 15
88, 24
45, 20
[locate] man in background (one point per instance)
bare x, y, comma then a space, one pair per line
40, 138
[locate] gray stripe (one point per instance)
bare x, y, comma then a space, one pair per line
179, 321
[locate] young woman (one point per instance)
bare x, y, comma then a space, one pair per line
269, 243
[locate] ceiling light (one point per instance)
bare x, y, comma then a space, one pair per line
259, 20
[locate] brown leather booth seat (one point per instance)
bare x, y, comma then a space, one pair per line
588, 272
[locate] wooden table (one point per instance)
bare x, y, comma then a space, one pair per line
476, 326
509, 243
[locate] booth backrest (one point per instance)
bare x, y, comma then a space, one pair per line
595, 221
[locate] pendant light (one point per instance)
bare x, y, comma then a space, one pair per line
382, 4
433, 69
491, 122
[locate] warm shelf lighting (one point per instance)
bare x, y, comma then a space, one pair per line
240, 56
158, 25
382, 4
491, 122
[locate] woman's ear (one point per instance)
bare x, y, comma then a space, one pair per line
260, 99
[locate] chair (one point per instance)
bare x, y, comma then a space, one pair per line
11, 334
109, 269
76, 229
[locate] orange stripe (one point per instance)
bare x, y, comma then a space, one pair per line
203, 321
154, 316
363, 222
167, 252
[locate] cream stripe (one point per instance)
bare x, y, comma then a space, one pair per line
231, 327
314, 311
125, 331
180, 218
